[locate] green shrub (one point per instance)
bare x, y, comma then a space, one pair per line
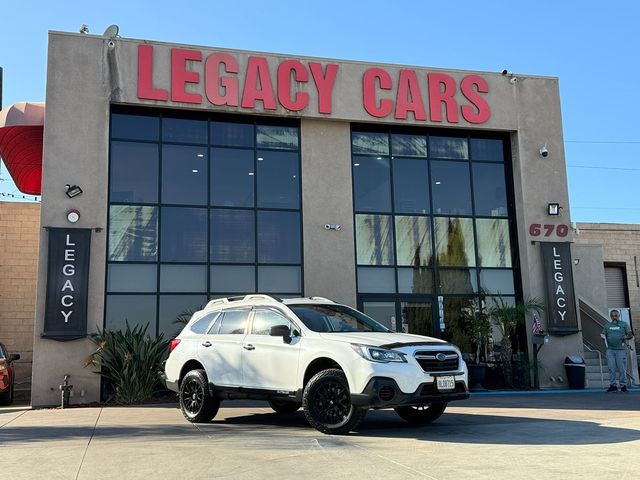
131, 361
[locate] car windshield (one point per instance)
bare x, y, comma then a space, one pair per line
336, 318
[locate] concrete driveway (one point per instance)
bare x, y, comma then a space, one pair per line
581, 436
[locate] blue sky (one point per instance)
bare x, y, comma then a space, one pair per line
593, 47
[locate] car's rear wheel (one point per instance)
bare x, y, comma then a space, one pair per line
196, 403
421, 414
282, 406
327, 403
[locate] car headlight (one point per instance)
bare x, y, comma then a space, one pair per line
381, 355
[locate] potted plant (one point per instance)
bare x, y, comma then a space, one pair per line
478, 327
506, 318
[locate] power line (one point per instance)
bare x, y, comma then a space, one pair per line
605, 168
606, 208
628, 142
23, 197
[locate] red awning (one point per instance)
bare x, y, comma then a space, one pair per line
21, 132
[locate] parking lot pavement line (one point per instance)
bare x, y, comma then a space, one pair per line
84, 454
13, 418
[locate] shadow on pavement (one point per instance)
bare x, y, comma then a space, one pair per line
629, 401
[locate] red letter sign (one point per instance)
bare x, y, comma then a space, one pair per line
369, 92
258, 71
437, 96
324, 84
482, 112
180, 76
300, 74
408, 98
145, 76
213, 83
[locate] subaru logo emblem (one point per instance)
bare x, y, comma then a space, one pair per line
441, 357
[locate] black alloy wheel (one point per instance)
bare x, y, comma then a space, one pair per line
196, 403
327, 403
421, 414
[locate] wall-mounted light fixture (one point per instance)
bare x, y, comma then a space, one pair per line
553, 209
73, 190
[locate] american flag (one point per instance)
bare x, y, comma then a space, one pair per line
537, 326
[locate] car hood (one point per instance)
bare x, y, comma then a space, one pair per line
378, 339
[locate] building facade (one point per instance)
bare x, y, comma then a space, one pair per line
412, 193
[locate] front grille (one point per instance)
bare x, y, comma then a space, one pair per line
430, 362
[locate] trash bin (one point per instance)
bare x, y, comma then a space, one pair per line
576, 369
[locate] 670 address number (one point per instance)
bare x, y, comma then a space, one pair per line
537, 229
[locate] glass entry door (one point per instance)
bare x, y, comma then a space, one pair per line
404, 315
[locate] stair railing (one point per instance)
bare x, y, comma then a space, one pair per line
591, 349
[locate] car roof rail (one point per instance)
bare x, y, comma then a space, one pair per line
242, 298
321, 299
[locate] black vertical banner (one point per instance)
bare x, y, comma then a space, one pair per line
65, 316
561, 303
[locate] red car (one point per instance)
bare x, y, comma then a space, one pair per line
7, 375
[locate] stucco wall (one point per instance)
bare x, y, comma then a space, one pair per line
19, 238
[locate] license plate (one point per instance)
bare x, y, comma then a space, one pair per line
445, 384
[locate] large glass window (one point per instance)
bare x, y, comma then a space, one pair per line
134, 172
232, 177
372, 184
201, 206
433, 225
184, 175
451, 188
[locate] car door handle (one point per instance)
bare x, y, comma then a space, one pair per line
206, 344
249, 347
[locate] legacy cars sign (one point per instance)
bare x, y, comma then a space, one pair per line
561, 304
228, 82
67, 282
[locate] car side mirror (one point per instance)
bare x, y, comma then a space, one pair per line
281, 331
13, 357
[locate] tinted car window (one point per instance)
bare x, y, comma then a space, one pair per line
202, 325
263, 320
234, 322
336, 318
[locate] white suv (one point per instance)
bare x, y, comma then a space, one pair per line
330, 359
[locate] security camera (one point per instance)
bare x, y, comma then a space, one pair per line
338, 227
111, 44
327, 226
544, 151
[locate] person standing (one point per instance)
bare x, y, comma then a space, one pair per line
615, 333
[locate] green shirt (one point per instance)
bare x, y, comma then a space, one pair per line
615, 333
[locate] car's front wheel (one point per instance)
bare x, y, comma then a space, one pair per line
422, 414
196, 403
282, 406
327, 403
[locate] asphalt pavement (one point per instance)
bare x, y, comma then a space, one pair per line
523, 436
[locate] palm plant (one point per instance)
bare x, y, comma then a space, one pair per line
506, 318
478, 327
131, 361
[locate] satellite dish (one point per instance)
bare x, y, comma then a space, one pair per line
111, 31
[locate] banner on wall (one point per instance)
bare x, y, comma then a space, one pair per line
562, 318
67, 283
